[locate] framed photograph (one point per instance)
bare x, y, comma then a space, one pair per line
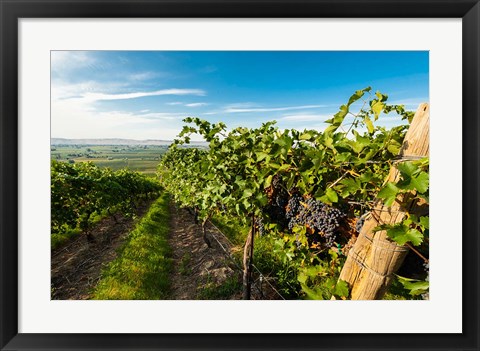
239, 175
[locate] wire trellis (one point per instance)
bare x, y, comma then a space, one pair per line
262, 278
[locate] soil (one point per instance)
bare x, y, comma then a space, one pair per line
196, 265
198, 270
76, 266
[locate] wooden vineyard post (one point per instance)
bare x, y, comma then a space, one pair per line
248, 262
374, 258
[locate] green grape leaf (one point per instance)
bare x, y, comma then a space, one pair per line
394, 147
421, 182
401, 234
261, 156
302, 278
377, 108
329, 197
247, 193
415, 287
407, 169
356, 146
358, 94
424, 222
388, 193
369, 124
306, 136
311, 294
418, 182
262, 200
350, 186
268, 181
341, 289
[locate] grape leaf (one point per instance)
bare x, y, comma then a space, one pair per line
377, 107
415, 287
350, 186
388, 193
424, 221
306, 136
332, 195
369, 124
401, 234
341, 289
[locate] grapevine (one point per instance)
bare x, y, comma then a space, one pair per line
82, 189
300, 186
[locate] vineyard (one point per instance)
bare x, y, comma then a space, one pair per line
270, 213
80, 191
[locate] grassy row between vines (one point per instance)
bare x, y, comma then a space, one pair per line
143, 265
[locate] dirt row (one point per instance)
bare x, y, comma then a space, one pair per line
76, 266
198, 269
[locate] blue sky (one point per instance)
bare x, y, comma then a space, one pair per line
145, 95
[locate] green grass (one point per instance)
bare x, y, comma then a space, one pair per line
143, 265
264, 256
58, 239
212, 291
234, 229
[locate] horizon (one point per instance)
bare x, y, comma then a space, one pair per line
146, 95
56, 141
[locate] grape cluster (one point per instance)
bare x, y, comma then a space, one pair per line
322, 220
275, 210
293, 207
360, 222
260, 226
287, 211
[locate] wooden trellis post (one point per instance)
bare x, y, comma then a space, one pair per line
374, 258
248, 262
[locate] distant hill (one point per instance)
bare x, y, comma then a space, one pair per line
63, 141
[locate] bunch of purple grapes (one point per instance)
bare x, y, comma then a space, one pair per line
275, 210
260, 225
360, 222
324, 219
293, 208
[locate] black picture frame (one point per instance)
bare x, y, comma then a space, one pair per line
13, 10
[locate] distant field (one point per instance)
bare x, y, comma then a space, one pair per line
141, 158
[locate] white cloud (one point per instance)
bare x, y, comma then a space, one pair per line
196, 104
101, 96
65, 60
162, 115
174, 103
270, 109
75, 118
242, 105
144, 76
63, 90
74, 114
